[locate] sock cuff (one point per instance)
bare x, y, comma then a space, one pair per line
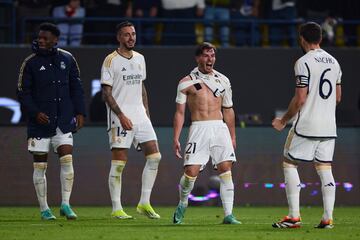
154, 156
189, 178
225, 175
40, 165
66, 159
118, 162
289, 165
323, 167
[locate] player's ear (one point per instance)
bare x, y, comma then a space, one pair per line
118, 35
197, 59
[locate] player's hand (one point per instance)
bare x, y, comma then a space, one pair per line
79, 121
278, 124
42, 118
177, 148
125, 122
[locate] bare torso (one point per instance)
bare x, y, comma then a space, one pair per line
202, 103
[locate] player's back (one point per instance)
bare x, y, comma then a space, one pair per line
320, 72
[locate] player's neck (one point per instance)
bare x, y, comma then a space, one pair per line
312, 47
125, 52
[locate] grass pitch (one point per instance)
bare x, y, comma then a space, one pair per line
199, 223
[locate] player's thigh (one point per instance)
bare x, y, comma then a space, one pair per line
325, 151
221, 149
197, 149
62, 142
146, 136
38, 145
300, 149
120, 138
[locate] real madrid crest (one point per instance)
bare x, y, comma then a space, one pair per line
62, 65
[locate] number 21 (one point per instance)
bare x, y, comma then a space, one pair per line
190, 148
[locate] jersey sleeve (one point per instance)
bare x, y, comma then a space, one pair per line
302, 74
107, 75
227, 98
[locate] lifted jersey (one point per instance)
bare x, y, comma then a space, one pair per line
320, 72
217, 82
125, 76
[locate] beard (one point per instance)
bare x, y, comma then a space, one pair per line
129, 48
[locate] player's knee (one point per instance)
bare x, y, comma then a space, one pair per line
153, 160
39, 157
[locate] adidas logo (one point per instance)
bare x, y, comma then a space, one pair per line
329, 185
123, 69
42, 68
232, 155
70, 136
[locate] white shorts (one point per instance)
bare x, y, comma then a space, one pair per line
43, 144
309, 149
142, 132
208, 139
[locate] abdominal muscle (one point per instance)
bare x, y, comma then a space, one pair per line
203, 105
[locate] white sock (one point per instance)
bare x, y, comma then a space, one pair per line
66, 177
227, 192
39, 179
116, 170
328, 188
186, 186
292, 188
149, 176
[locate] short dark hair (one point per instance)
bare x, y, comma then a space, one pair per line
122, 25
50, 27
204, 46
311, 32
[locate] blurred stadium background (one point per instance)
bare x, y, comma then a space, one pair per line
258, 57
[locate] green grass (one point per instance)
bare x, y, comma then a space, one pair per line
200, 223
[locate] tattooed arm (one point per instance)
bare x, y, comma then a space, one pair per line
110, 101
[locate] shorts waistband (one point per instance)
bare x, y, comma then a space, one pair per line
207, 123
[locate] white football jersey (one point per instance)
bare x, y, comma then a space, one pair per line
320, 72
125, 76
217, 82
